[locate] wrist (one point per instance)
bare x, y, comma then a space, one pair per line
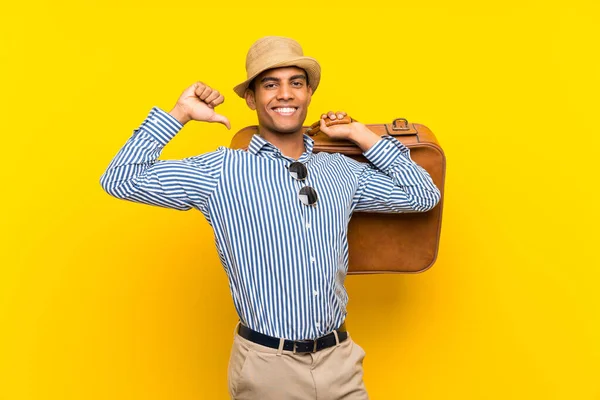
358, 132
180, 115
363, 137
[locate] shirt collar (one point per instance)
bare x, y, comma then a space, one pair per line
259, 145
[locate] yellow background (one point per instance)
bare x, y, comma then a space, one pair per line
106, 299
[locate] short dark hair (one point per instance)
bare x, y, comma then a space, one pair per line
252, 84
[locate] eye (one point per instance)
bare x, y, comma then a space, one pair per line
297, 83
269, 85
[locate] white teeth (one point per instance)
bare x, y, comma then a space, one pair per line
285, 110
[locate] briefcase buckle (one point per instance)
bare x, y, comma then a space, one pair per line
400, 124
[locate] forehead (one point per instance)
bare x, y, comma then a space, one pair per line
281, 73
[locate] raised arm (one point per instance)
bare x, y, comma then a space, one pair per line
391, 182
136, 174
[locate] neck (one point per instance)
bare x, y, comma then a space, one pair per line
290, 144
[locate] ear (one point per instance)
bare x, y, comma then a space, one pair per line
249, 96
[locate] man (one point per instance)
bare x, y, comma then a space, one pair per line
280, 216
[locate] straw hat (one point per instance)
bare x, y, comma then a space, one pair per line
274, 52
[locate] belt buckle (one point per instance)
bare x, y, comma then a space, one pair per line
314, 350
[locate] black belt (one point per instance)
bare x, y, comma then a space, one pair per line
297, 346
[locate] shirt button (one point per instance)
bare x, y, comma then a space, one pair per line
317, 324
312, 259
315, 293
308, 225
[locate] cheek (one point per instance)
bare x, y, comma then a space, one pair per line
262, 106
305, 108
263, 115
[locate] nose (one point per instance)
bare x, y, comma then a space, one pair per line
285, 92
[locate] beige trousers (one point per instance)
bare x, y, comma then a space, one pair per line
257, 372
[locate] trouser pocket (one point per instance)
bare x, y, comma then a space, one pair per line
235, 370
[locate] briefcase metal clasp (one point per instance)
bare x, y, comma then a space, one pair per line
400, 124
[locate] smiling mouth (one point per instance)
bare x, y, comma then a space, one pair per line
285, 111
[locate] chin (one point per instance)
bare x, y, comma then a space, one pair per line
290, 127
293, 129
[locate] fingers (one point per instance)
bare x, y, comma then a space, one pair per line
333, 116
214, 99
201, 89
338, 128
333, 128
210, 96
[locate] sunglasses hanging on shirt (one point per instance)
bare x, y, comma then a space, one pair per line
307, 194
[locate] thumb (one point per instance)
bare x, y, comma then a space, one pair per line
221, 119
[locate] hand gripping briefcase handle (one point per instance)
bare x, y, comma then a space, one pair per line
398, 127
314, 129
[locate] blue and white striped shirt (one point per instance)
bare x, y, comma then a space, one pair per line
286, 262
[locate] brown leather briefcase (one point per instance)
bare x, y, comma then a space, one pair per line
382, 242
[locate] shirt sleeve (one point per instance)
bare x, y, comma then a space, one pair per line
136, 174
391, 182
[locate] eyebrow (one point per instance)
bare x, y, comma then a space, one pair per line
272, 78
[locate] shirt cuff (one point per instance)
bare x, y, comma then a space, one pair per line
383, 153
161, 125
